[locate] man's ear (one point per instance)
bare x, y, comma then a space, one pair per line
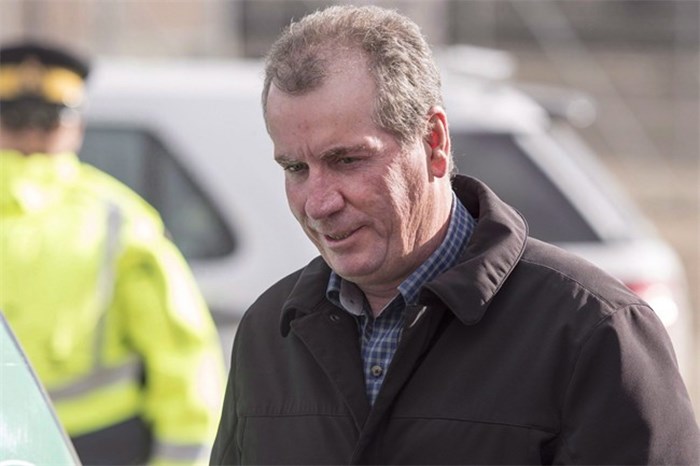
438, 143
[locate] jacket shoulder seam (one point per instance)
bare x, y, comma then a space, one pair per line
610, 307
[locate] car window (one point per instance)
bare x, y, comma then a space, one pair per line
29, 430
142, 161
497, 160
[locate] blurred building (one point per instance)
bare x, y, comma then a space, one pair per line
614, 48
247, 27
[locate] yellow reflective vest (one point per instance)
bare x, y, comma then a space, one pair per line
101, 300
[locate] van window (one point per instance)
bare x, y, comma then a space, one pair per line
497, 160
142, 161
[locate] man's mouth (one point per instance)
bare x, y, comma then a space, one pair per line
338, 236
331, 235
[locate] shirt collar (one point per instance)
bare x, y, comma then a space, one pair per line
348, 296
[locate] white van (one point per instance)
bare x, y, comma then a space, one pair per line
189, 136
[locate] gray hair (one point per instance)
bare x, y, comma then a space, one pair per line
398, 56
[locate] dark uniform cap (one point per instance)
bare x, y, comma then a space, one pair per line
38, 81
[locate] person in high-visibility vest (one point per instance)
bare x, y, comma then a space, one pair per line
102, 301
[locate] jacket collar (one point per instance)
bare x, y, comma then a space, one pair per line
308, 294
492, 253
495, 247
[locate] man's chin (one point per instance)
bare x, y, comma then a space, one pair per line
354, 271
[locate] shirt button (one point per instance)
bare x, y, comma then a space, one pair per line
377, 370
335, 318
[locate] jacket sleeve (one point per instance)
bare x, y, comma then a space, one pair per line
169, 326
626, 402
225, 450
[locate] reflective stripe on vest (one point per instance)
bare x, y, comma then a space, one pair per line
103, 376
178, 452
106, 280
100, 377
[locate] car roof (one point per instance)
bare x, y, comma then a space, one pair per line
485, 104
491, 106
175, 76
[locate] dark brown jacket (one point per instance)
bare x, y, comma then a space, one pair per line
525, 355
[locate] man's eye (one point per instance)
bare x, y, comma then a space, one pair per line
294, 167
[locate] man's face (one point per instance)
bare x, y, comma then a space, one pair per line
65, 137
362, 199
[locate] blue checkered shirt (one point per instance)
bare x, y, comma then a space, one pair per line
379, 337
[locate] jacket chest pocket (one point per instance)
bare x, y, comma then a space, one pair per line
297, 439
456, 441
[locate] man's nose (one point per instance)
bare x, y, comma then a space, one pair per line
324, 197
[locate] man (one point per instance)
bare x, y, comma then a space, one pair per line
431, 330
102, 302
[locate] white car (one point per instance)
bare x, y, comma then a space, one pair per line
190, 137
31, 432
